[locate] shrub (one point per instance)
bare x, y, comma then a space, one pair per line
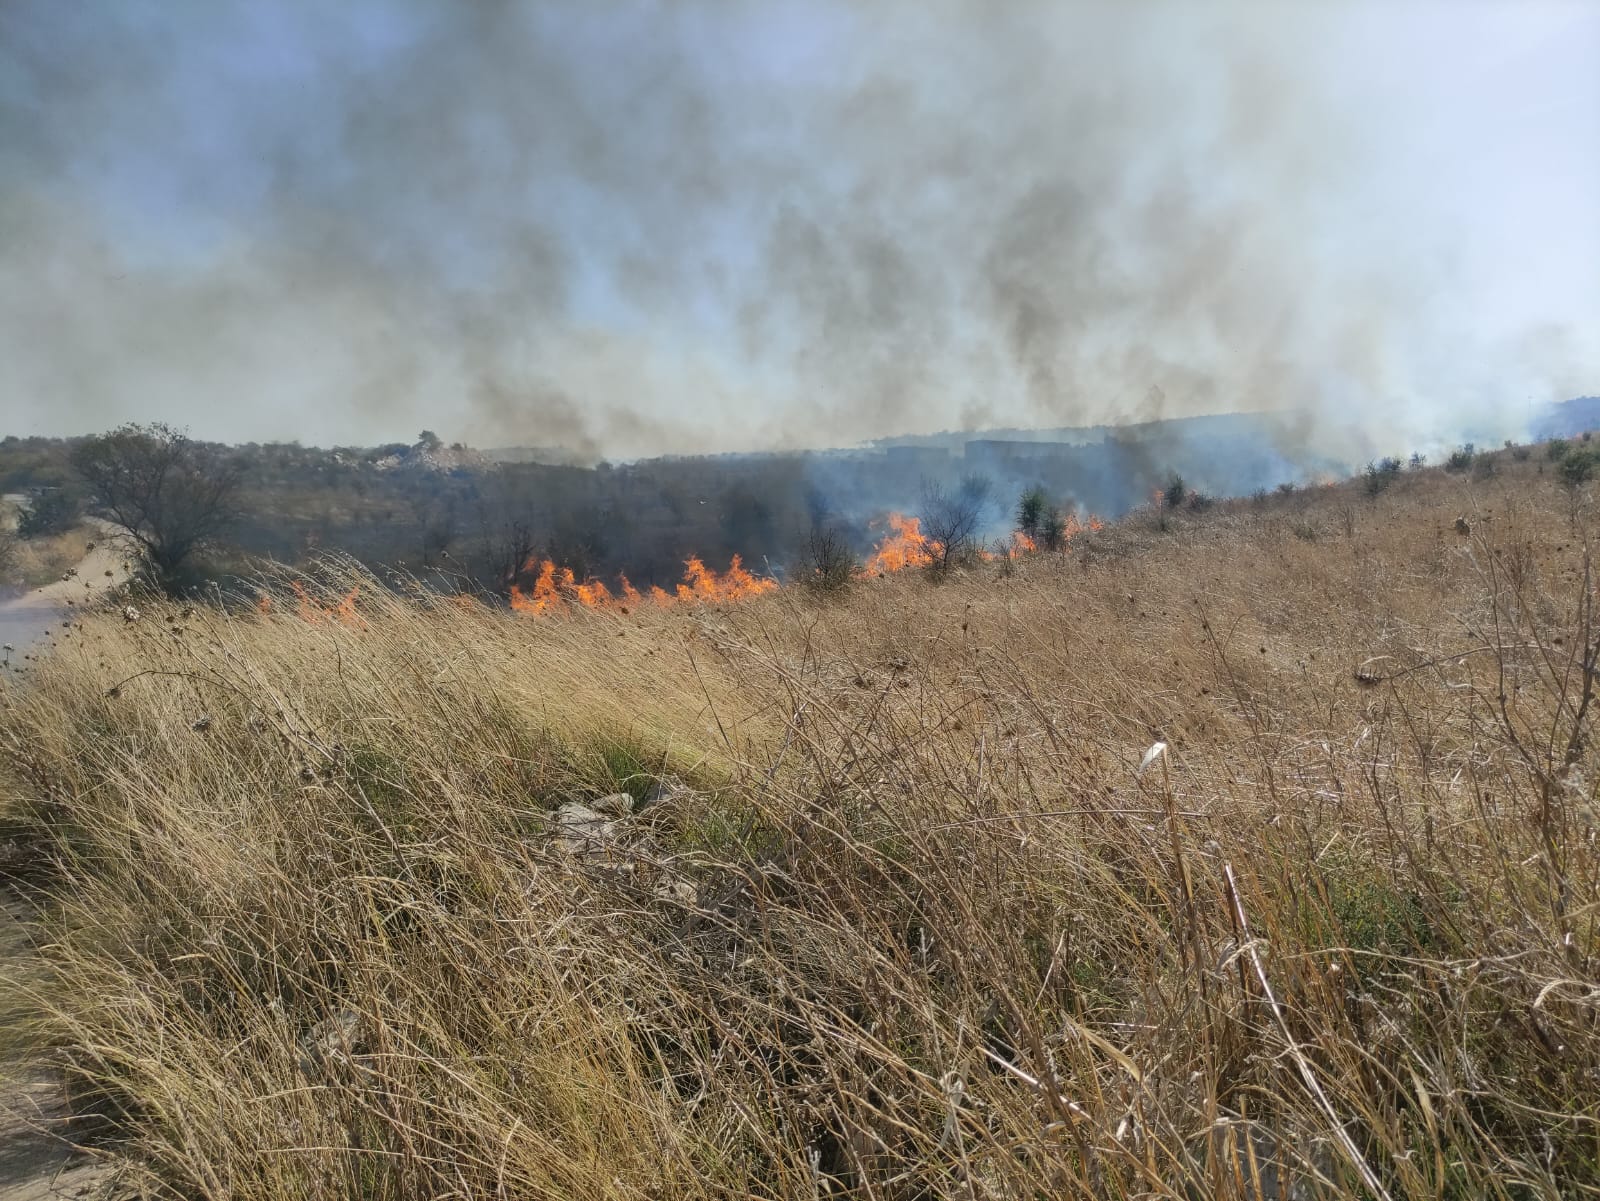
1461, 457
1556, 449
1577, 467
1031, 509
827, 564
1380, 474
1052, 530
1175, 493
52, 512
1418, 460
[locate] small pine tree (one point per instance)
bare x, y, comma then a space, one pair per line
1032, 509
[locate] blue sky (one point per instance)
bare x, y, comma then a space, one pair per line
645, 227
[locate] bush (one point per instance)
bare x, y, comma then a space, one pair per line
1418, 460
1031, 509
1556, 449
1175, 493
1577, 467
1052, 530
827, 564
1379, 475
52, 512
1461, 457
8, 553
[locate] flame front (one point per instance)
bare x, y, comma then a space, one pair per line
315, 612
904, 546
556, 588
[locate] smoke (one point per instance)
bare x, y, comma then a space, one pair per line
639, 228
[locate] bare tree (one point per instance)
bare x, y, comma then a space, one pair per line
169, 494
826, 563
953, 520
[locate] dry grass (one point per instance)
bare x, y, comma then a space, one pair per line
897, 918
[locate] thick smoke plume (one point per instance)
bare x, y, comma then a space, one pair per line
640, 228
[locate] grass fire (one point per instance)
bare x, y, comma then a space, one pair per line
1244, 850
799, 602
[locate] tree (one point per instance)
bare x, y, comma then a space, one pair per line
1031, 511
169, 494
953, 520
1052, 530
429, 441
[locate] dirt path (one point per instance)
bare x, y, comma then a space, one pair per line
24, 619
38, 1162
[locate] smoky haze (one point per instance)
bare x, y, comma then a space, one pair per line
641, 228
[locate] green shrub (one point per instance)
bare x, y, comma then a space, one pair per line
52, 512
1577, 466
1461, 457
1380, 474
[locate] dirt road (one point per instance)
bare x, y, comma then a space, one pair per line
25, 618
37, 1160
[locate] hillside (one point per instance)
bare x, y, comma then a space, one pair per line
367, 894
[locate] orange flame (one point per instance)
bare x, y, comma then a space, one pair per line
904, 546
315, 612
556, 588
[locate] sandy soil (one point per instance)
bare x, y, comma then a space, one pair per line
25, 618
38, 1161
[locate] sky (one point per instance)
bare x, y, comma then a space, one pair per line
634, 228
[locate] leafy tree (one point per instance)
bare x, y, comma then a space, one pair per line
1175, 493
169, 494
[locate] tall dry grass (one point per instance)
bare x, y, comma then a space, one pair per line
895, 916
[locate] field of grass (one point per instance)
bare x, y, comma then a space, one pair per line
894, 914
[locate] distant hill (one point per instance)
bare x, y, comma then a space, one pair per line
1568, 419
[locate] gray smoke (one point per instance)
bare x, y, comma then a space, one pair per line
638, 228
